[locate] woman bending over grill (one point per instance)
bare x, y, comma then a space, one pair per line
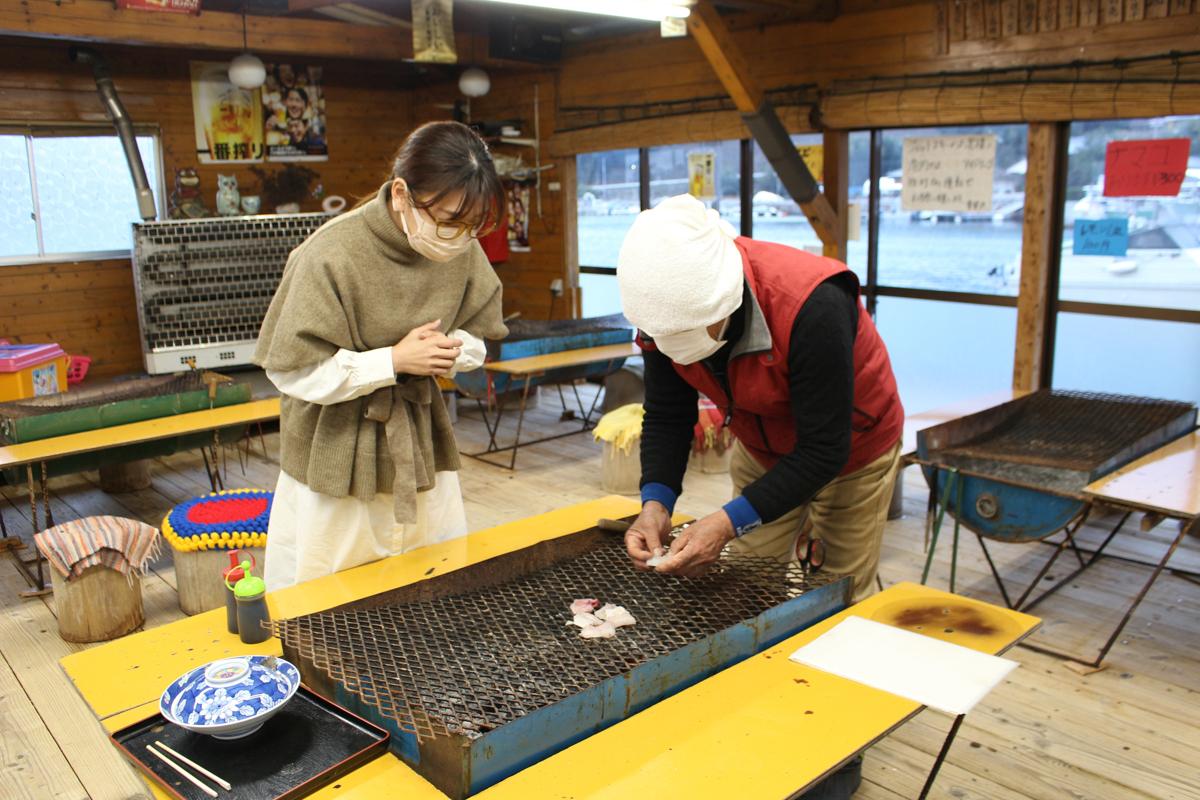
371, 308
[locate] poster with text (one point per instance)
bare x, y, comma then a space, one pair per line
228, 120
293, 109
1145, 167
948, 173
702, 175
814, 159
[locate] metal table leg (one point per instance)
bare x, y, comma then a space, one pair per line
1193, 526
941, 756
36, 580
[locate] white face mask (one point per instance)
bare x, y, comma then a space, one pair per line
424, 239
688, 347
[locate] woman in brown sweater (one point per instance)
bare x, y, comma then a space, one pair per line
372, 307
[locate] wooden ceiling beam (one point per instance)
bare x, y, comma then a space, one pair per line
99, 22
725, 57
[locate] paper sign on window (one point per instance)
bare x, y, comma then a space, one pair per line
1101, 237
948, 173
814, 159
702, 175
1137, 168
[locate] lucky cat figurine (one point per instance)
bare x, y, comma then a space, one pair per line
227, 196
186, 202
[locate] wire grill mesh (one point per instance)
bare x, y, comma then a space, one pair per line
1072, 430
471, 662
209, 281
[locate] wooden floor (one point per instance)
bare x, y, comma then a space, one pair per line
1126, 732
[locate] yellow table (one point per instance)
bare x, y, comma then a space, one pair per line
525, 370
763, 728
43, 451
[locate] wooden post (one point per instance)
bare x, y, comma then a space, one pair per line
566, 176
128, 476
723, 55
99, 605
198, 577
1040, 247
837, 188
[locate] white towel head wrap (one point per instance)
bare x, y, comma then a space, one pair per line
679, 268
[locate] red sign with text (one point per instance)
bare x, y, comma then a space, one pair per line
177, 6
1143, 167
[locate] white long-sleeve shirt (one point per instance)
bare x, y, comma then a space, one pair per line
311, 534
347, 374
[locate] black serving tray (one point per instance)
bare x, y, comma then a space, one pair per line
308, 744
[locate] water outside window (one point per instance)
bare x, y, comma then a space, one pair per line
954, 250
607, 202
777, 218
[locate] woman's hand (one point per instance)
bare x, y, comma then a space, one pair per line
425, 351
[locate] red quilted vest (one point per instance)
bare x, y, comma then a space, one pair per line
782, 278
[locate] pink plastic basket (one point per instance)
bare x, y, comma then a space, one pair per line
77, 369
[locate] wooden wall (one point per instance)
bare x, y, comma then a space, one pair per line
553, 254
89, 307
873, 46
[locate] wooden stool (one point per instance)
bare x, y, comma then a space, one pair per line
203, 531
198, 577
99, 605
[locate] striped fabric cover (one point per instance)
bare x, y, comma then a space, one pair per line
118, 543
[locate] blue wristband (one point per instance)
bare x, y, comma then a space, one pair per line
742, 515
661, 493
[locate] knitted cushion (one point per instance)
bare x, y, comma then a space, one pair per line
227, 520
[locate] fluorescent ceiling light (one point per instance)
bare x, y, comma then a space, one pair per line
653, 10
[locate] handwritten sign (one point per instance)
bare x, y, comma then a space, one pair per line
948, 173
1101, 237
1137, 168
814, 159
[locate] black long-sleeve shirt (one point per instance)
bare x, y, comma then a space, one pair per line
821, 384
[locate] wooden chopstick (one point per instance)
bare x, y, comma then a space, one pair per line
224, 784
202, 786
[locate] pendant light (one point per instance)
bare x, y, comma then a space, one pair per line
247, 71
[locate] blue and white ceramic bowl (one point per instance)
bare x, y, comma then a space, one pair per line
230, 698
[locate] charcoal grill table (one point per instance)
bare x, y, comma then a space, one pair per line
735, 734
524, 372
45, 451
1034, 467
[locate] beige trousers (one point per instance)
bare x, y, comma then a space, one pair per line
848, 514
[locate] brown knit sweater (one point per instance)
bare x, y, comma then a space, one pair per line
356, 284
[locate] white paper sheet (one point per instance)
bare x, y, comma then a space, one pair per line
929, 671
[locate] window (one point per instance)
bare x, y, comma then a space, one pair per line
68, 195
944, 352
1124, 355
607, 201
1129, 289
951, 250
669, 175
777, 218
1155, 260
601, 296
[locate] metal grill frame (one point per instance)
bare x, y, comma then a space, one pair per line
470, 702
1050, 440
203, 285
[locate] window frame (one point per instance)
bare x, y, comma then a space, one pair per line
31, 132
872, 289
